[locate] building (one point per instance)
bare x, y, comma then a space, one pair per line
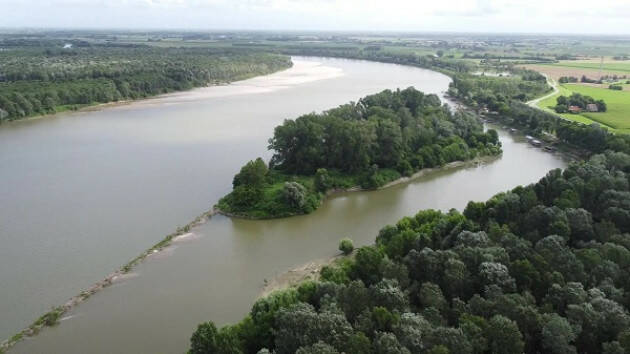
575, 109
592, 107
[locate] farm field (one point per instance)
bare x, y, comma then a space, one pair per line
577, 68
616, 118
612, 66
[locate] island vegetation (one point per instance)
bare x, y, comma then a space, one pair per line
48, 78
543, 268
366, 144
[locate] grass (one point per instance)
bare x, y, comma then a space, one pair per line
616, 118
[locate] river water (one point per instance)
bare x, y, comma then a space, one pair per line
86, 192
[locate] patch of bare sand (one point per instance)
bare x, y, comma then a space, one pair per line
293, 277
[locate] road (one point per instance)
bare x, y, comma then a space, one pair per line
554, 86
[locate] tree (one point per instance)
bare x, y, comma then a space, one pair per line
317, 348
207, 339
504, 336
387, 343
300, 326
354, 299
492, 273
204, 339
431, 296
367, 265
346, 246
252, 174
263, 315
322, 180
358, 343
557, 334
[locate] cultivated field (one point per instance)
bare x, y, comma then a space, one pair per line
577, 68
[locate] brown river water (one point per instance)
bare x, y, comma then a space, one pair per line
84, 193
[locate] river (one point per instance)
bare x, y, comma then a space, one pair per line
84, 193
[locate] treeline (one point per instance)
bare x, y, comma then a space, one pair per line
355, 52
368, 143
543, 268
41, 81
568, 79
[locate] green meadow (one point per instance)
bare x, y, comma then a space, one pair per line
616, 118
622, 66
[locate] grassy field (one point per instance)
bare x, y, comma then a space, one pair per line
609, 66
617, 117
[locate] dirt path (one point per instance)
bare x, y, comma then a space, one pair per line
554, 86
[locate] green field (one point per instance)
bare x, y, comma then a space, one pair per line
622, 66
616, 118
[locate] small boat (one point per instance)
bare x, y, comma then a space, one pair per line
535, 142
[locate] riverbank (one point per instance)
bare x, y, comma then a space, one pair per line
308, 271
357, 188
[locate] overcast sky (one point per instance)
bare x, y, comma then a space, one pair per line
532, 16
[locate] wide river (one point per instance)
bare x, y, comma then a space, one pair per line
84, 193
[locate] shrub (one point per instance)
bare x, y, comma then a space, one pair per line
295, 195
346, 246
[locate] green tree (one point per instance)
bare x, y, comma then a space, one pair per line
557, 334
503, 336
252, 174
346, 246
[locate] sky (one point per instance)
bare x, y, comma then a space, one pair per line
524, 16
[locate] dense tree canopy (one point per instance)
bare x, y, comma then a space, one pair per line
402, 129
46, 78
543, 268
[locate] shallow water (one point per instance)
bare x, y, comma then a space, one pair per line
216, 273
83, 193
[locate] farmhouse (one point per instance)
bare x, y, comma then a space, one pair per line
592, 107
575, 109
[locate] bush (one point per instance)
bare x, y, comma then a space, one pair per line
295, 195
616, 87
346, 246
